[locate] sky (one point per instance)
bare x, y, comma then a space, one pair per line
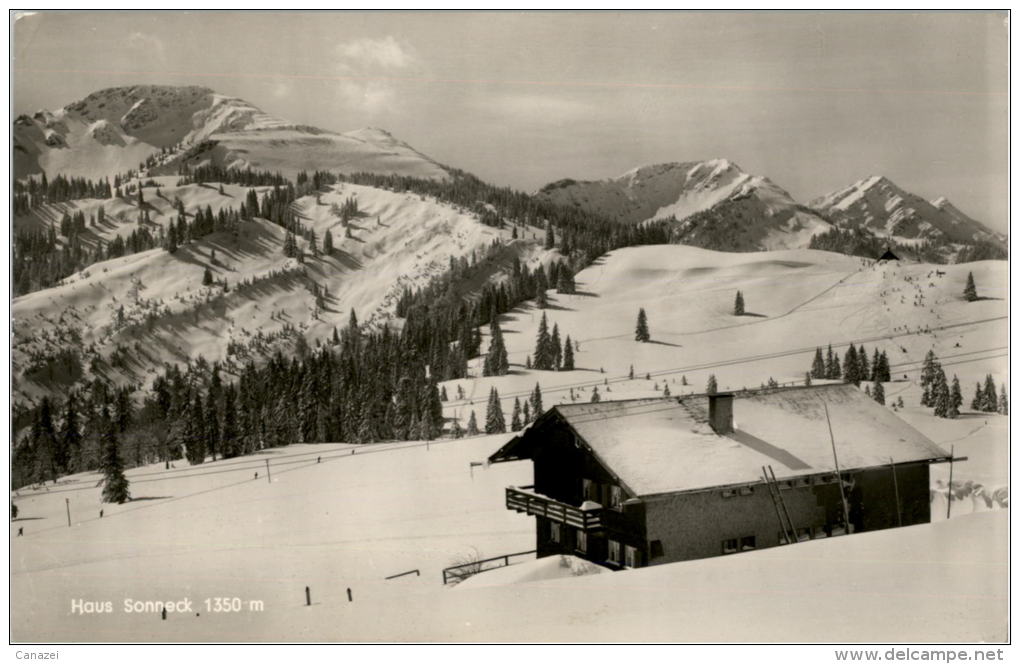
813, 100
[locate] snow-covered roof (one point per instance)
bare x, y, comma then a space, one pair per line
665, 445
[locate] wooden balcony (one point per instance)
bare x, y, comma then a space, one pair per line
523, 499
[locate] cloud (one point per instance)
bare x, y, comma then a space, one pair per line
370, 66
385, 53
149, 45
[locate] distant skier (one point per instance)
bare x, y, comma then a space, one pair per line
21, 531
100, 514
256, 474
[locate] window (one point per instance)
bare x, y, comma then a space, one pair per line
729, 545
818, 532
590, 490
729, 493
615, 496
614, 552
582, 541
747, 543
656, 549
746, 490
630, 556
803, 534
554, 532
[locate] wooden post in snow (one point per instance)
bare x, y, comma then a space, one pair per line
269, 475
949, 493
67, 502
839, 477
896, 487
308, 596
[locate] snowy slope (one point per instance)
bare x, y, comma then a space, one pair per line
680, 190
878, 204
795, 300
169, 316
113, 130
352, 520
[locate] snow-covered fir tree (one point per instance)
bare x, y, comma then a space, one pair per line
641, 332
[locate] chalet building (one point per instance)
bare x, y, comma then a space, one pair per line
651, 481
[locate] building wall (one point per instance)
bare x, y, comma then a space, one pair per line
694, 525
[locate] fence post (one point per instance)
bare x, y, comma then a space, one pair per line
308, 596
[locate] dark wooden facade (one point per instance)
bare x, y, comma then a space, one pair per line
625, 529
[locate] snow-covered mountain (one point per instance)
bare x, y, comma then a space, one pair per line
116, 129
879, 205
708, 200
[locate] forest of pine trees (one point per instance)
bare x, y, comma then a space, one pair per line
855, 368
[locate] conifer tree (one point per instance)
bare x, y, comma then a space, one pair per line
229, 434
878, 392
550, 236
818, 365
832, 370
544, 355
595, 397
557, 347
738, 304
327, 243
472, 427
515, 418
712, 386
641, 332
970, 290
207, 277
863, 365
807, 379
1003, 401
115, 484
665, 390
496, 362
494, 422
940, 396
979, 398
565, 283
991, 403
536, 402
956, 395
851, 370
568, 355
69, 447
44, 443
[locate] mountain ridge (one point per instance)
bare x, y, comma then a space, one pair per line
115, 130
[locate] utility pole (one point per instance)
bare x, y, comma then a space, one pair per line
839, 477
896, 487
949, 493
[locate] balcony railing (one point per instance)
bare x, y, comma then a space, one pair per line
522, 499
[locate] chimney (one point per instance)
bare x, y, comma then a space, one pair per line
720, 413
